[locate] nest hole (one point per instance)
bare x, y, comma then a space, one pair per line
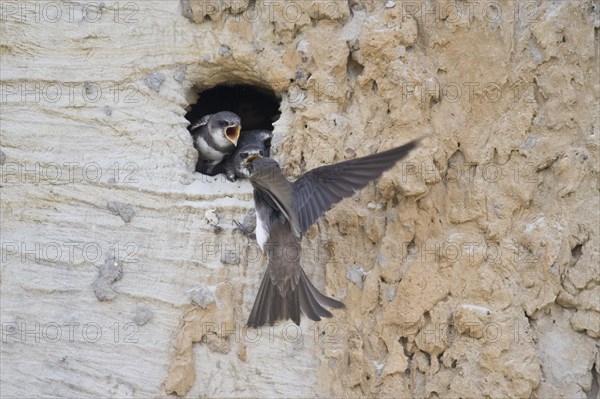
257, 107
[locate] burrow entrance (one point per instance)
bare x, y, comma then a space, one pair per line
257, 107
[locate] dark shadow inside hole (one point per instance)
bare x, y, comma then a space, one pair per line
222, 148
257, 107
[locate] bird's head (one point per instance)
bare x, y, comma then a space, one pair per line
245, 157
228, 123
233, 133
224, 127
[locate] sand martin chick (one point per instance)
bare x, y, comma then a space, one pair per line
215, 137
251, 144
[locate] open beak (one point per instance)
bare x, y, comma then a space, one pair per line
252, 158
233, 133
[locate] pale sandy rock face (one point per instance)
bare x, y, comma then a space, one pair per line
469, 270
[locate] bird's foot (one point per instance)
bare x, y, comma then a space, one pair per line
244, 230
231, 177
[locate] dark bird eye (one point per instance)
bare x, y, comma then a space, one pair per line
244, 155
223, 123
262, 153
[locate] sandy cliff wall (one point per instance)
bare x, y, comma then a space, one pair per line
470, 270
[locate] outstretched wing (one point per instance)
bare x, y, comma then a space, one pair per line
268, 180
317, 190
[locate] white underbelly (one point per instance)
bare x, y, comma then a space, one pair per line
207, 152
261, 232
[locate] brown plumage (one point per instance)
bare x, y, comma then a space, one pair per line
285, 211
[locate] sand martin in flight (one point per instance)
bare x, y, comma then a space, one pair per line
285, 211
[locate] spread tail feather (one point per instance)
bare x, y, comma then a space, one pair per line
271, 306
